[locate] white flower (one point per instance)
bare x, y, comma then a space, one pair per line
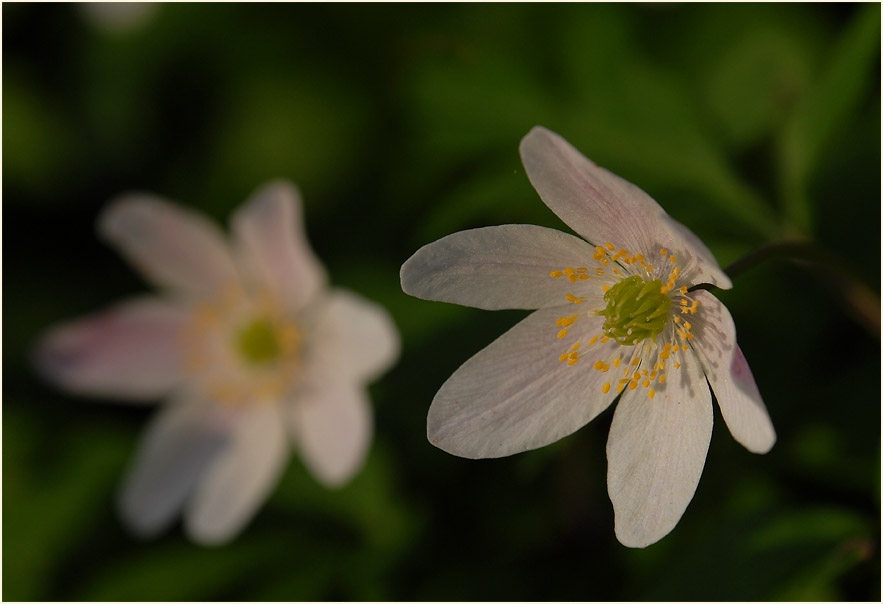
615, 318
252, 349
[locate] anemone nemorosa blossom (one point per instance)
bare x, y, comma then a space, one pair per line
617, 317
252, 349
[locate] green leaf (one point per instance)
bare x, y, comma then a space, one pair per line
825, 109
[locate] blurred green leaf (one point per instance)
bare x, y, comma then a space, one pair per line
45, 511
829, 103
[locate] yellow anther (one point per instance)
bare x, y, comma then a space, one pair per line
610, 246
643, 372
684, 303
661, 378
645, 383
676, 348
687, 325
583, 277
563, 357
572, 278
676, 319
565, 321
604, 339
581, 269
575, 347
651, 393
633, 385
575, 299
600, 250
683, 289
572, 362
682, 334
593, 340
619, 387
604, 261
616, 362
599, 365
562, 333
555, 274
663, 252
664, 355
661, 365
639, 257
636, 376
635, 362
568, 271
672, 259
677, 365
604, 288
605, 388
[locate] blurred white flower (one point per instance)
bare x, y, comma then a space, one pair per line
118, 17
615, 318
253, 350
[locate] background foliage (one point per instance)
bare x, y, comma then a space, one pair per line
750, 123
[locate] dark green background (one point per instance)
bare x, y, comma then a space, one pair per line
400, 124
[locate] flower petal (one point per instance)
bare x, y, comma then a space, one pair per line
270, 238
602, 207
132, 351
241, 478
516, 395
495, 267
174, 248
655, 453
730, 377
179, 446
332, 426
352, 338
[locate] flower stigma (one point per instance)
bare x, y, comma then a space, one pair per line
258, 342
636, 310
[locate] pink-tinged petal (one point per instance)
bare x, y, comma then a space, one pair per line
176, 249
351, 338
602, 207
655, 453
496, 267
180, 445
273, 247
729, 375
332, 425
517, 395
241, 477
132, 351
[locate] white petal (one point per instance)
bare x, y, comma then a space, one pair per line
351, 338
132, 351
729, 375
655, 453
183, 440
517, 395
332, 426
496, 267
241, 477
270, 237
174, 248
602, 207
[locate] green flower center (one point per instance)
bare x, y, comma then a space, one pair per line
257, 342
636, 310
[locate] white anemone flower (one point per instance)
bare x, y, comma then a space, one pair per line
616, 317
253, 351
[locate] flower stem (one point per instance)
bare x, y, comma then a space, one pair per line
856, 297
